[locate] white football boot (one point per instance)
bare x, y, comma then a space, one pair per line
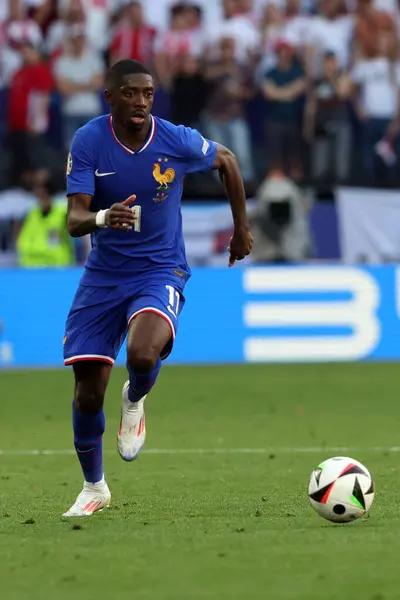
132, 429
93, 498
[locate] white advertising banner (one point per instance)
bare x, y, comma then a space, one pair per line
369, 225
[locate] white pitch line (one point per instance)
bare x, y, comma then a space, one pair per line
338, 450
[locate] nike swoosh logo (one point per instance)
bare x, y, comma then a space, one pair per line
102, 174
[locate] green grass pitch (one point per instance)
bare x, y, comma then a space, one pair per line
215, 523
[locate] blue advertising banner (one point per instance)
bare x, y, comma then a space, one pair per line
255, 314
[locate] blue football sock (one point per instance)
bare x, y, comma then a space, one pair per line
88, 441
140, 384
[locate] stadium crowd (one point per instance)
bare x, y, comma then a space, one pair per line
305, 88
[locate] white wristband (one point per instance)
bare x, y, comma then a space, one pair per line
101, 218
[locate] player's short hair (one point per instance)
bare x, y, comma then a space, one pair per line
120, 69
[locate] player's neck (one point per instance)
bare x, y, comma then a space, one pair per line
133, 139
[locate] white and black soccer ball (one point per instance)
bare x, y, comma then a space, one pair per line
341, 489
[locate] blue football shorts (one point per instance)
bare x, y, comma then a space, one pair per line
99, 318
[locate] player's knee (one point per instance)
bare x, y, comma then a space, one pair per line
142, 359
88, 400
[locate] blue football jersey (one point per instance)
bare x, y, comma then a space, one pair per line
99, 164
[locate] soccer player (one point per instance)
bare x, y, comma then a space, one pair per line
125, 177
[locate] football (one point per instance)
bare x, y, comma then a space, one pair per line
341, 489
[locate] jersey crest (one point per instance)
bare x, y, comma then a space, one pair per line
163, 178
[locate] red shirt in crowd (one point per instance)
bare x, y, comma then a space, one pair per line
133, 43
29, 84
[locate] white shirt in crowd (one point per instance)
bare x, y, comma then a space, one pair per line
297, 30
98, 14
379, 83
327, 35
80, 70
241, 28
10, 62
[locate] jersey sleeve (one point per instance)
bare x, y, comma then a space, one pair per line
80, 167
200, 153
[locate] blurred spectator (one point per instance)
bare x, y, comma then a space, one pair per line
184, 36
272, 27
43, 240
79, 75
28, 117
377, 84
284, 87
239, 25
157, 12
21, 28
329, 32
289, 25
98, 15
326, 123
279, 223
224, 114
18, 28
133, 38
58, 30
370, 24
298, 25
188, 93
41, 12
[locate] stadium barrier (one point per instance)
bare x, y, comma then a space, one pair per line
255, 314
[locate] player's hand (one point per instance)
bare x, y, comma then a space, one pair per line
120, 216
240, 245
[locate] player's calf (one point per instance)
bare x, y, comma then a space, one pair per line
148, 336
88, 418
140, 383
143, 366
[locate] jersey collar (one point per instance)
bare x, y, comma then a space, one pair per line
147, 143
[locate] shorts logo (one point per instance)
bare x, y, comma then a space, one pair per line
69, 163
64, 340
163, 179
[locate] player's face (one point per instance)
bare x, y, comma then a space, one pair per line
131, 103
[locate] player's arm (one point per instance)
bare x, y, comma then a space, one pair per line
81, 220
229, 172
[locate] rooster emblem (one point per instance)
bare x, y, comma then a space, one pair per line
163, 179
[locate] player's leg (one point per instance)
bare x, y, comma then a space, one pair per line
149, 338
152, 330
91, 379
95, 329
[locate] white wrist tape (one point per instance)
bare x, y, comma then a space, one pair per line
101, 218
